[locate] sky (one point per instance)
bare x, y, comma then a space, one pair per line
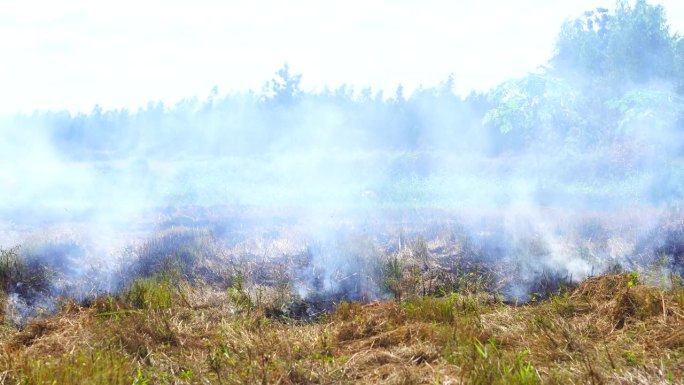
74, 54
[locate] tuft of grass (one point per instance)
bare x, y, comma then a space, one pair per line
83, 367
432, 309
18, 275
157, 292
238, 294
192, 253
400, 275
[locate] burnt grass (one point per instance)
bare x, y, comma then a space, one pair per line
210, 300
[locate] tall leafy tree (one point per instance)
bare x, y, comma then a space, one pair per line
612, 71
632, 45
284, 87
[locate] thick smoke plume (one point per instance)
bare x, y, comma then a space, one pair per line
567, 172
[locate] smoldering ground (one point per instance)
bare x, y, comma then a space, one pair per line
554, 176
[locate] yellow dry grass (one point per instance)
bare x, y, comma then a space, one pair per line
608, 330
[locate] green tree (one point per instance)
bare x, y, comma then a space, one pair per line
633, 45
284, 87
537, 108
613, 74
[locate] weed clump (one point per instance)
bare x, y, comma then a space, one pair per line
23, 284
157, 292
194, 254
24, 277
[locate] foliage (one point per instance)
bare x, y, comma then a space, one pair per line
631, 45
647, 114
537, 107
284, 88
612, 72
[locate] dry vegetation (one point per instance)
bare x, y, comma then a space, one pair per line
191, 311
609, 329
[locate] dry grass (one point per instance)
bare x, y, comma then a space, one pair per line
608, 330
193, 310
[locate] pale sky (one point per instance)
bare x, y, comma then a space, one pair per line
73, 54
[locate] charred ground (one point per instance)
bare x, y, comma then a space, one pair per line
224, 302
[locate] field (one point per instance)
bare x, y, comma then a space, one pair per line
529, 230
465, 298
